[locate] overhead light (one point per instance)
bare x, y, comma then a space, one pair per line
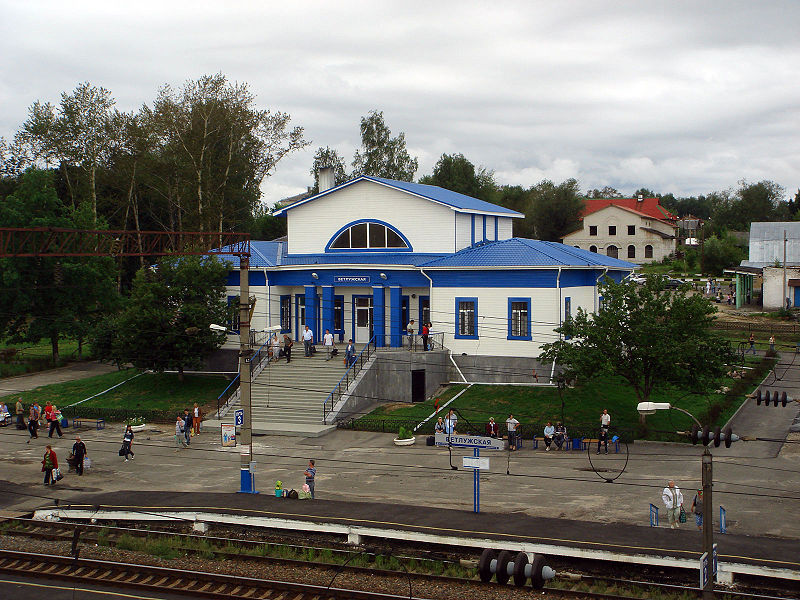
315, 276
383, 275
216, 327
650, 408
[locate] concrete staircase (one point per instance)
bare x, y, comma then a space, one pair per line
285, 394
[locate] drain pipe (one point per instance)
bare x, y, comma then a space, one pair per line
595, 287
449, 352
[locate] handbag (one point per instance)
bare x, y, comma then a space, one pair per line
682, 518
57, 475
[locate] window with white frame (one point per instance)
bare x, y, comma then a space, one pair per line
366, 236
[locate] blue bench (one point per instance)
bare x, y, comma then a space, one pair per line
98, 423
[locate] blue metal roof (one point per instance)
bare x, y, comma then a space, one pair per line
521, 252
431, 192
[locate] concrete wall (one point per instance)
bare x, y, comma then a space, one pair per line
501, 369
772, 293
388, 379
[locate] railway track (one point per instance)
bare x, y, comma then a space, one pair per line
217, 585
196, 584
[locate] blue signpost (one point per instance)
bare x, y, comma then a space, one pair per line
723, 521
704, 570
238, 417
653, 515
474, 462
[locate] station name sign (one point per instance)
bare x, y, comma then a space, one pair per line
351, 279
470, 441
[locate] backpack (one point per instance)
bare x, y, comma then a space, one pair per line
293, 495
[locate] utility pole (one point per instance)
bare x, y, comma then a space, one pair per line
247, 476
785, 291
708, 520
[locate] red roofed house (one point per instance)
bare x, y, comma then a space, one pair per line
639, 230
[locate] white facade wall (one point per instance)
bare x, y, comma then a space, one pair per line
547, 308
463, 234
505, 228
426, 224
773, 294
621, 219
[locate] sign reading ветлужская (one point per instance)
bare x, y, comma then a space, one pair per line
351, 279
469, 441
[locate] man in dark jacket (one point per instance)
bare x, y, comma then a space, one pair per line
187, 425
79, 452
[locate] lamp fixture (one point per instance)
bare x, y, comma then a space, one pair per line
315, 276
383, 275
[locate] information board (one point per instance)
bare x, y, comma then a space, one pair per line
470, 441
228, 435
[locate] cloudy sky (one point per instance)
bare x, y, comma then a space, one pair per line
682, 97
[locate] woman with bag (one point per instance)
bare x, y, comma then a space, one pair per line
49, 465
127, 442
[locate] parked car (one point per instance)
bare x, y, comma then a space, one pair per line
637, 279
673, 284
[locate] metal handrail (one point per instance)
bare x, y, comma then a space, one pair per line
225, 391
349, 376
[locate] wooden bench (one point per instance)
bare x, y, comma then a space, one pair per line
98, 423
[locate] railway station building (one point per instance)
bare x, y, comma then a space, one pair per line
364, 258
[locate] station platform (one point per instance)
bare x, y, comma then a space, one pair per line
366, 522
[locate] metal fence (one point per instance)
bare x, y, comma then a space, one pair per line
349, 376
750, 326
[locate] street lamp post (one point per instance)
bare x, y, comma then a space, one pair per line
649, 408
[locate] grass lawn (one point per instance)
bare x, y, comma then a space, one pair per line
30, 358
533, 407
149, 393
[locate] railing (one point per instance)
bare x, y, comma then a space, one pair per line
229, 394
414, 342
349, 376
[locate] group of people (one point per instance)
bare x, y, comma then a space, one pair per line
76, 460
186, 425
50, 414
277, 351
673, 502
425, 332
553, 435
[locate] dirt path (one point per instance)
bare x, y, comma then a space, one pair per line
77, 370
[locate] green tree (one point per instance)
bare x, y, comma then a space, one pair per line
382, 155
606, 192
77, 132
619, 339
645, 193
265, 225
519, 199
328, 157
721, 252
457, 173
49, 297
555, 209
165, 323
222, 146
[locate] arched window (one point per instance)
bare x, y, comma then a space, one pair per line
631, 251
612, 251
368, 235
578, 247
648, 251
593, 249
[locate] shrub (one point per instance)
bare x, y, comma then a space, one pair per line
404, 433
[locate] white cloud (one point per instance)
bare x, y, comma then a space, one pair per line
678, 97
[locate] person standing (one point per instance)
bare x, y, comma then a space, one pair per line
491, 428
450, 422
127, 443
311, 474
772, 343
79, 452
20, 409
349, 354
410, 333
327, 341
187, 426
49, 464
275, 347
287, 348
605, 423
51, 415
511, 425
752, 342
180, 442
673, 501
549, 430
33, 423
197, 417
426, 331
308, 340
697, 508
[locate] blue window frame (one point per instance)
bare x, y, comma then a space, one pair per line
338, 316
466, 319
567, 313
519, 319
286, 313
368, 235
